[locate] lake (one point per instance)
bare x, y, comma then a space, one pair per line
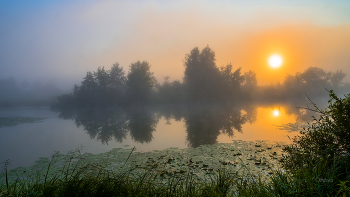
100, 130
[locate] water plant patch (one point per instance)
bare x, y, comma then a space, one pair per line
258, 159
13, 121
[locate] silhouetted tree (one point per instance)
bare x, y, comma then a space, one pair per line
140, 83
86, 93
337, 77
171, 92
101, 78
202, 78
116, 86
100, 88
249, 86
312, 81
232, 82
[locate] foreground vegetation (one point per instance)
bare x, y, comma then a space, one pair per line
316, 164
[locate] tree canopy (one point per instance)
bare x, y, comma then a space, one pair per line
140, 83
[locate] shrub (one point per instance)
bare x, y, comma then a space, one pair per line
322, 151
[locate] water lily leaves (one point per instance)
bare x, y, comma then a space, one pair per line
13, 121
257, 158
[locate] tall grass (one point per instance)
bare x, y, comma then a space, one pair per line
95, 180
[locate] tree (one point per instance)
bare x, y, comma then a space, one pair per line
202, 77
337, 77
100, 88
117, 79
232, 82
312, 81
170, 92
250, 81
101, 78
86, 93
117, 83
250, 84
140, 83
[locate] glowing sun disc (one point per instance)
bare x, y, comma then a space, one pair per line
276, 112
275, 61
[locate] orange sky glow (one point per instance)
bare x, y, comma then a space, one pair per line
69, 39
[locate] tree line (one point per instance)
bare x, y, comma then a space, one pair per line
203, 83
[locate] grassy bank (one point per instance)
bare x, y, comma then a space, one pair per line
92, 180
77, 174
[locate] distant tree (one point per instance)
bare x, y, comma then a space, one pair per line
202, 78
250, 85
117, 79
65, 101
250, 80
337, 77
232, 82
86, 93
312, 81
101, 88
117, 83
102, 78
313, 77
170, 92
140, 83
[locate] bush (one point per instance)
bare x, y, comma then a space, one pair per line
322, 151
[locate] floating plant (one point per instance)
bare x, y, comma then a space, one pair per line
13, 121
258, 158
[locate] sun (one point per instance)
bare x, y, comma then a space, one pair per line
275, 61
276, 112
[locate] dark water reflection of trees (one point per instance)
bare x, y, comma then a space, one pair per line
203, 123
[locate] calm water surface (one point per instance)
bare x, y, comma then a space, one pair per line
146, 129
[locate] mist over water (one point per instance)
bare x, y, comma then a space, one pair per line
147, 128
110, 74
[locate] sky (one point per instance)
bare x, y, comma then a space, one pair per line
61, 40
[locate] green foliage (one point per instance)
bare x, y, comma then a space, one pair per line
322, 151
